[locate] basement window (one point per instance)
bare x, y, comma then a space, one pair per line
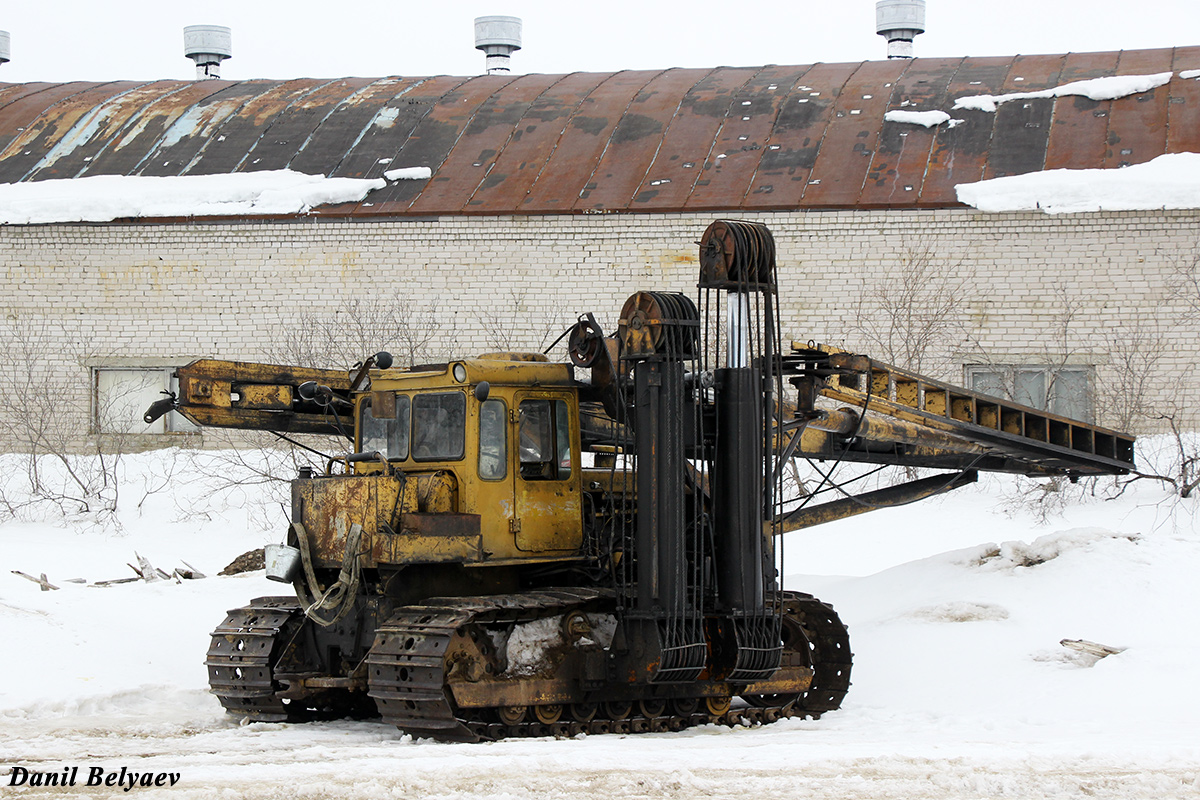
1065, 391
121, 395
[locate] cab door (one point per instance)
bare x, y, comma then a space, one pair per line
546, 481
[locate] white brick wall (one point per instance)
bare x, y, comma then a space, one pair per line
120, 293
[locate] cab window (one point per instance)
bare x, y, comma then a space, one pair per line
384, 435
545, 440
493, 440
562, 438
439, 426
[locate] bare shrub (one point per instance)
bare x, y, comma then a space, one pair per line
1045, 499
360, 327
512, 324
1185, 467
915, 313
1184, 285
47, 394
1125, 398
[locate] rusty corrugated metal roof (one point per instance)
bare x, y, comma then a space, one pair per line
773, 137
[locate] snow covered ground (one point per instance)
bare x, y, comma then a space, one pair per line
956, 607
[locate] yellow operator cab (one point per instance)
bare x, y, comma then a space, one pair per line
493, 437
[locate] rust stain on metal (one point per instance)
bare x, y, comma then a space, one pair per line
13, 91
358, 116
901, 159
430, 538
435, 139
231, 149
568, 172
184, 141
149, 127
289, 131
438, 122
959, 154
328, 508
747, 132
1137, 126
1183, 104
1078, 131
534, 141
397, 531
104, 127
1021, 129
364, 132
640, 136
852, 135
54, 125
691, 136
472, 159
385, 144
20, 106
785, 169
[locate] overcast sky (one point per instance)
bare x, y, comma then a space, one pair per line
66, 40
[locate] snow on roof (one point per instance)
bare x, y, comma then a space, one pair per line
929, 119
1169, 181
103, 198
409, 174
1109, 88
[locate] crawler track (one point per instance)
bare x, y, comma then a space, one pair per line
429, 656
242, 657
829, 644
262, 665
412, 663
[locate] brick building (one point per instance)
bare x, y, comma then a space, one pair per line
552, 195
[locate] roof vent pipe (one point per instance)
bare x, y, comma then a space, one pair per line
208, 46
899, 21
498, 38
5, 51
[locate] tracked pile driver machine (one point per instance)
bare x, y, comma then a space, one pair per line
519, 547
